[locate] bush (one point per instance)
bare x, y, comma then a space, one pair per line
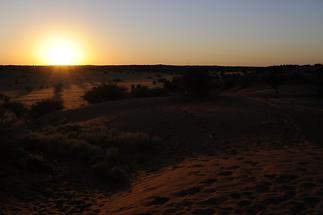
61, 147
320, 87
45, 107
105, 92
58, 88
194, 85
144, 91
248, 81
109, 156
28, 89
10, 151
4, 98
17, 108
275, 81
7, 122
111, 174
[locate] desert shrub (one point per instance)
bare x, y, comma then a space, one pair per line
134, 147
320, 90
11, 152
109, 156
29, 89
58, 88
61, 147
117, 80
275, 81
228, 83
144, 91
105, 92
320, 86
45, 107
194, 85
4, 98
111, 174
9, 149
248, 81
162, 80
7, 121
17, 108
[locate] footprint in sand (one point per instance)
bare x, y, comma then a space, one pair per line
301, 169
225, 173
189, 191
236, 195
242, 195
170, 211
235, 167
252, 163
181, 204
203, 211
308, 185
303, 163
273, 199
196, 173
212, 201
262, 187
158, 200
244, 203
285, 178
311, 201
209, 181
209, 190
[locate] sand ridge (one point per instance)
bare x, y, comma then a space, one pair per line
280, 181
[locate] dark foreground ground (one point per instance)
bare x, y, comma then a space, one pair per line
231, 154
245, 150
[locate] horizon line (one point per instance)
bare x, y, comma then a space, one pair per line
175, 65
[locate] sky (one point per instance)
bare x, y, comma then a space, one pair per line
181, 32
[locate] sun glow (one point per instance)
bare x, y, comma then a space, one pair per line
61, 51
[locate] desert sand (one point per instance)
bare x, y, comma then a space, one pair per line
242, 152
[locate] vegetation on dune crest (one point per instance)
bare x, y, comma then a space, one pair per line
105, 92
45, 107
109, 156
144, 91
193, 85
111, 92
19, 110
83, 151
58, 88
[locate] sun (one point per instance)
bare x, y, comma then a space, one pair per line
60, 51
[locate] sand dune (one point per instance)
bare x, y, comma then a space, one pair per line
231, 154
281, 181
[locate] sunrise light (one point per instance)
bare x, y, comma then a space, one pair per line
60, 51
